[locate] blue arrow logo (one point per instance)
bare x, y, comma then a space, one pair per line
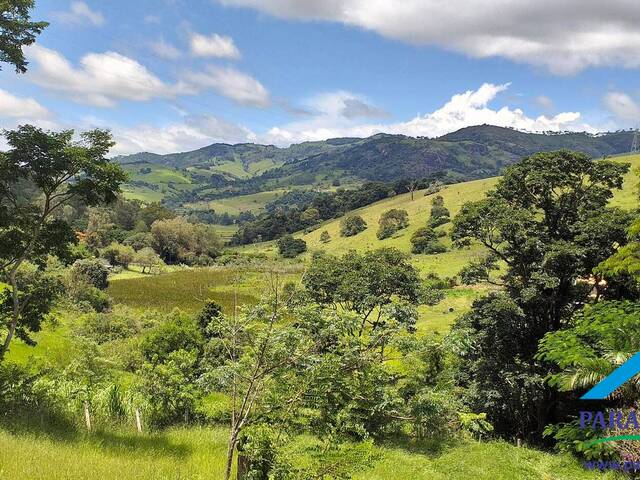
614, 380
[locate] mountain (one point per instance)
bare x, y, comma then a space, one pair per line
481, 151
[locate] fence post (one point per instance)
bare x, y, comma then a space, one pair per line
138, 421
87, 416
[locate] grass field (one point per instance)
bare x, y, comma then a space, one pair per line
243, 203
198, 453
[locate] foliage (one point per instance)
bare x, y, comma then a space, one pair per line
352, 225
40, 174
93, 271
439, 213
290, 247
391, 221
599, 339
177, 332
118, 255
178, 241
556, 233
17, 31
148, 259
425, 240
170, 387
325, 237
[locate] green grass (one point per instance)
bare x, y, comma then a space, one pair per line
188, 289
199, 453
243, 203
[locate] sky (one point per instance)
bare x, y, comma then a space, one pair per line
175, 75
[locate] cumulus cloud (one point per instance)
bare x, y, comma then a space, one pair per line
327, 119
103, 79
622, 106
164, 49
194, 131
21, 108
464, 109
80, 13
564, 37
213, 45
232, 83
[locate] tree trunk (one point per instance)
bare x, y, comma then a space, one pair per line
232, 445
14, 316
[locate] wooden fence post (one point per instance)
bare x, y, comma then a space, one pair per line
138, 421
87, 416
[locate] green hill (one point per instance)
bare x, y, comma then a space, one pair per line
222, 170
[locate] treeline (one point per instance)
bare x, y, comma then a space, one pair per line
304, 210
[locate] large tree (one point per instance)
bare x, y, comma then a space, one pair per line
40, 174
548, 224
17, 31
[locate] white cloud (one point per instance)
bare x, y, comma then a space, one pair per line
102, 79
213, 45
164, 49
462, 110
231, 83
21, 108
328, 120
80, 13
563, 36
193, 132
622, 106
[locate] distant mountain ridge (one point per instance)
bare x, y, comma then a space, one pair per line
469, 153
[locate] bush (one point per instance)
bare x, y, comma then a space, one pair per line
391, 221
93, 270
439, 213
325, 237
118, 255
352, 225
178, 332
290, 247
425, 240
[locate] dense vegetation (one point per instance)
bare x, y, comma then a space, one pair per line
316, 364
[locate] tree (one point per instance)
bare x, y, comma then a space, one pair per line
118, 255
367, 284
391, 221
93, 271
177, 240
40, 174
261, 349
17, 31
325, 237
548, 223
425, 240
352, 225
439, 213
290, 247
148, 259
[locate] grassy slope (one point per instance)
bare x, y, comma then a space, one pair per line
242, 203
198, 453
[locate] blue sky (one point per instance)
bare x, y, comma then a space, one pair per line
172, 75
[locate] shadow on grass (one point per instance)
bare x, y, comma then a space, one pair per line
117, 440
430, 447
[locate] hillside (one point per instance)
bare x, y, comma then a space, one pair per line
446, 264
222, 170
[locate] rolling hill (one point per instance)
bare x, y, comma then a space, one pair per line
222, 170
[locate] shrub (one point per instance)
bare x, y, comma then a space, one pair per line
290, 247
425, 240
352, 225
178, 332
325, 237
93, 270
439, 213
118, 255
391, 221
